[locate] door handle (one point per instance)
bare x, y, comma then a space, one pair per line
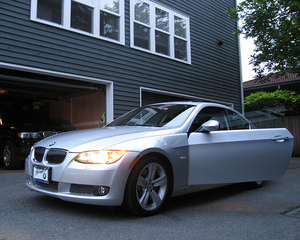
280, 138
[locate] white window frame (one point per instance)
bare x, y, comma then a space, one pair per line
153, 28
96, 5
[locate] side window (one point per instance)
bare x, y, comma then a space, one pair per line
210, 113
236, 121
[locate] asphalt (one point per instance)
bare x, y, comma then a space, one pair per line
231, 213
294, 163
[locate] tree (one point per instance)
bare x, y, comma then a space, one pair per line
275, 27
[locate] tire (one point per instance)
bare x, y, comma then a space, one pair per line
10, 160
148, 187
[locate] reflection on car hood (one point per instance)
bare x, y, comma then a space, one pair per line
100, 138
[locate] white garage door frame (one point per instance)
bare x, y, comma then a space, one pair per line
109, 99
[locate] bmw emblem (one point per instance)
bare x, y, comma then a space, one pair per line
52, 144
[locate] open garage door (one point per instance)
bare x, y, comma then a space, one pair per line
72, 104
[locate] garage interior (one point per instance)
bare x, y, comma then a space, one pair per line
71, 104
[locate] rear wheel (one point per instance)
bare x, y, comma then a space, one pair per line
10, 160
147, 188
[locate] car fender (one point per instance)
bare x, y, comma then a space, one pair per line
174, 147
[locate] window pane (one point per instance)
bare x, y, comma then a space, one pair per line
236, 121
162, 43
142, 12
180, 27
162, 19
50, 10
180, 49
141, 36
81, 17
109, 25
210, 113
112, 5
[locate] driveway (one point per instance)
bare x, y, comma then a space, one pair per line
231, 212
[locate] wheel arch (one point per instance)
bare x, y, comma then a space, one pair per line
160, 156
130, 202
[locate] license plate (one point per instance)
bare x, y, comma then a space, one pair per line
41, 174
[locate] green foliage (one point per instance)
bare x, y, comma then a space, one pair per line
270, 101
275, 27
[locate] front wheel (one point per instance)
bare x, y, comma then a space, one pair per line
10, 160
147, 188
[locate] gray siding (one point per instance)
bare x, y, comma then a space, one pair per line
214, 72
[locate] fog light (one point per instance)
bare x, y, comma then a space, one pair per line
101, 191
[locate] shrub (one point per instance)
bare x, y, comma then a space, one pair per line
270, 101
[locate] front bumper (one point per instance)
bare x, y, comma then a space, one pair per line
81, 183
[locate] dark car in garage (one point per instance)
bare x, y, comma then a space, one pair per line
19, 130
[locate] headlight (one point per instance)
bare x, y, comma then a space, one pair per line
100, 157
31, 135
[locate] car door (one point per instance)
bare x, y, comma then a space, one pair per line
236, 153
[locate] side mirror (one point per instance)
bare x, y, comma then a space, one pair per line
209, 126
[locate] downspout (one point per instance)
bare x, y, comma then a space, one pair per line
241, 69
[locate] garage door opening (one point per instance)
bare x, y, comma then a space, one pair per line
71, 104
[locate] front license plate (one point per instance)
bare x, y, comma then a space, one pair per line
41, 174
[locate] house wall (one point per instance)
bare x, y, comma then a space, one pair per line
214, 72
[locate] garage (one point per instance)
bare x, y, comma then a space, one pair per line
35, 105
70, 103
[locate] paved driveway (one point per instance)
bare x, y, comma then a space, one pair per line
232, 212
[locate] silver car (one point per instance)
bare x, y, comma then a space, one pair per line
156, 152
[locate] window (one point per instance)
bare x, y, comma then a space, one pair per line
228, 120
236, 121
159, 115
81, 16
50, 10
98, 18
110, 19
159, 30
210, 113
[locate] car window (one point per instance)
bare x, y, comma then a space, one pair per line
236, 121
210, 113
169, 115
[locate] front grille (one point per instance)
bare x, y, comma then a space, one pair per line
56, 155
39, 153
83, 189
52, 186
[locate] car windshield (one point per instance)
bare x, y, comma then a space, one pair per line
168, 115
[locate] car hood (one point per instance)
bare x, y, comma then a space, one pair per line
100, 138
